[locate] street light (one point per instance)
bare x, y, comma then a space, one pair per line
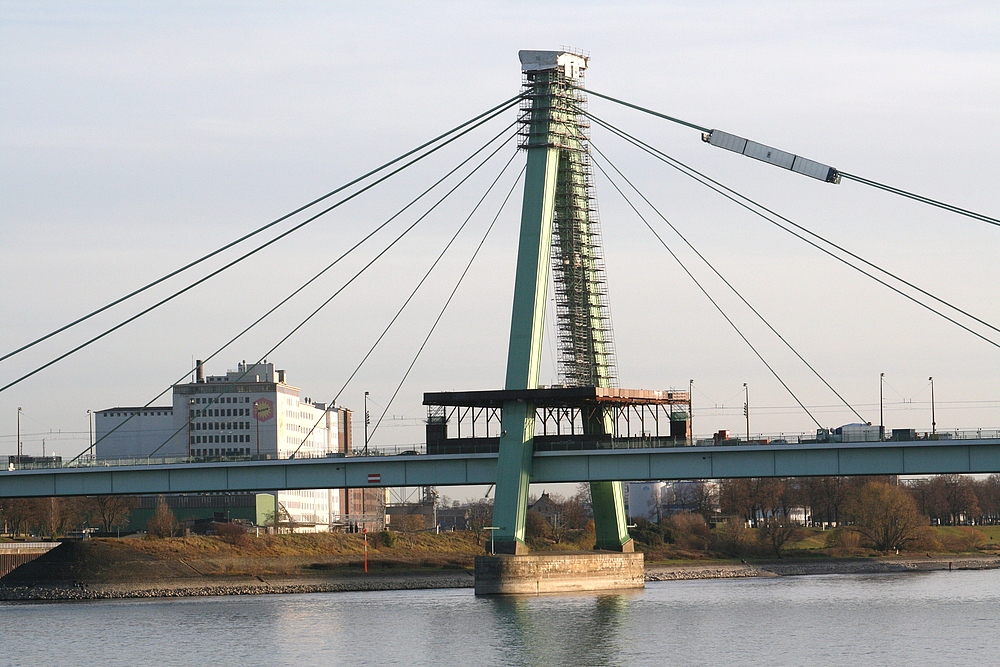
933, 418
19, 437
90, 422
367, 421
881, 408
746, 408
691, 409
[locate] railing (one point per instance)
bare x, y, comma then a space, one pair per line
419, 449
10, 546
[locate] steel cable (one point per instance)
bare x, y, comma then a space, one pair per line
736, 198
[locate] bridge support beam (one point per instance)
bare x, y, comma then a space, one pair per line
524, 355
555, 193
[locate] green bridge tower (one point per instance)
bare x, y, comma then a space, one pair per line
560, 234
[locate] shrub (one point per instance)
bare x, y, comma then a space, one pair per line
843, 539
689, 531
231, 533
733, 538
388, 539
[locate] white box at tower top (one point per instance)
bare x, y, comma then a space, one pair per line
573, 65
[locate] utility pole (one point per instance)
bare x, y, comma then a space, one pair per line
367, 421
746, 407
691, 409
881, 407
90, 421
933, 418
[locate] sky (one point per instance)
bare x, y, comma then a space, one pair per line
135, 137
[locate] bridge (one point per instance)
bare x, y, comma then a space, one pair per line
560, 248
605, 465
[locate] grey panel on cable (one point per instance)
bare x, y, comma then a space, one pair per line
778, 158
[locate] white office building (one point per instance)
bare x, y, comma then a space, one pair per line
248, 412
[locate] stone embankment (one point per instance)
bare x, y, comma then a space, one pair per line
656, 572
239, 586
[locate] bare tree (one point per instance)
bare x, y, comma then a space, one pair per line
777, 531
886, 515
163, 523
16, 514
112, 511
479, 516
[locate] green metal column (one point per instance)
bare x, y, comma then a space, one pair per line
524, 356
557, 209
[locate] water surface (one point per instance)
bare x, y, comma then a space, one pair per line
928, 618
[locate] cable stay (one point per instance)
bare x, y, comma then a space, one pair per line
474, 122
707, 295
443, 309
757, 208
725, 281
922, 199
225, 267
352, 279
414, 292
324, 270
793, 162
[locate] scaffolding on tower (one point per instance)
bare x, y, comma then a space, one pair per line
586, 351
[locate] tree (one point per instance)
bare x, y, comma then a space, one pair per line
885, 515
112, 511
778, 531
479, 516
163, 523
988, 499
16, 514
537, 527
52, 517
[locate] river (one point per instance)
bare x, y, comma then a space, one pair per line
931, 618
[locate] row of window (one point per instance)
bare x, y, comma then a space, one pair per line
220, 412
218, 426
223, 399
161, 413
221, 451
199, 439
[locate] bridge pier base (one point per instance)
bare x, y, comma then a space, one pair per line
533, 574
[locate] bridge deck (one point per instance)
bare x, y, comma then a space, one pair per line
773, 460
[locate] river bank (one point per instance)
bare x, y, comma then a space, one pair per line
95, 572
687, 571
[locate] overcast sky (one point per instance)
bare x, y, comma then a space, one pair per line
135, 137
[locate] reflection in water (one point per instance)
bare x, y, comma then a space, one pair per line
902, 619
583, 629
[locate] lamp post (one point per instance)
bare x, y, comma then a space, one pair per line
90, 422
881, 407
367, 421
19, 437
746, 407
933, 418
691, 409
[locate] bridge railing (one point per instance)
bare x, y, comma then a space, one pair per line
419, 449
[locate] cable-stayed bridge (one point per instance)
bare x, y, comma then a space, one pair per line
560, 247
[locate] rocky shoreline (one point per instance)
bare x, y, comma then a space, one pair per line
239, 586
415, 580
684, 572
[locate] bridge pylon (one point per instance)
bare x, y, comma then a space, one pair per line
560, 236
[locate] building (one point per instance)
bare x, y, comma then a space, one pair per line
248, 412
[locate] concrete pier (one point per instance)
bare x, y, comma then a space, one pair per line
564, 572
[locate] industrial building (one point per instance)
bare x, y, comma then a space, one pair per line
248, 412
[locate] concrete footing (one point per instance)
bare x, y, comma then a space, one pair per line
532, 574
